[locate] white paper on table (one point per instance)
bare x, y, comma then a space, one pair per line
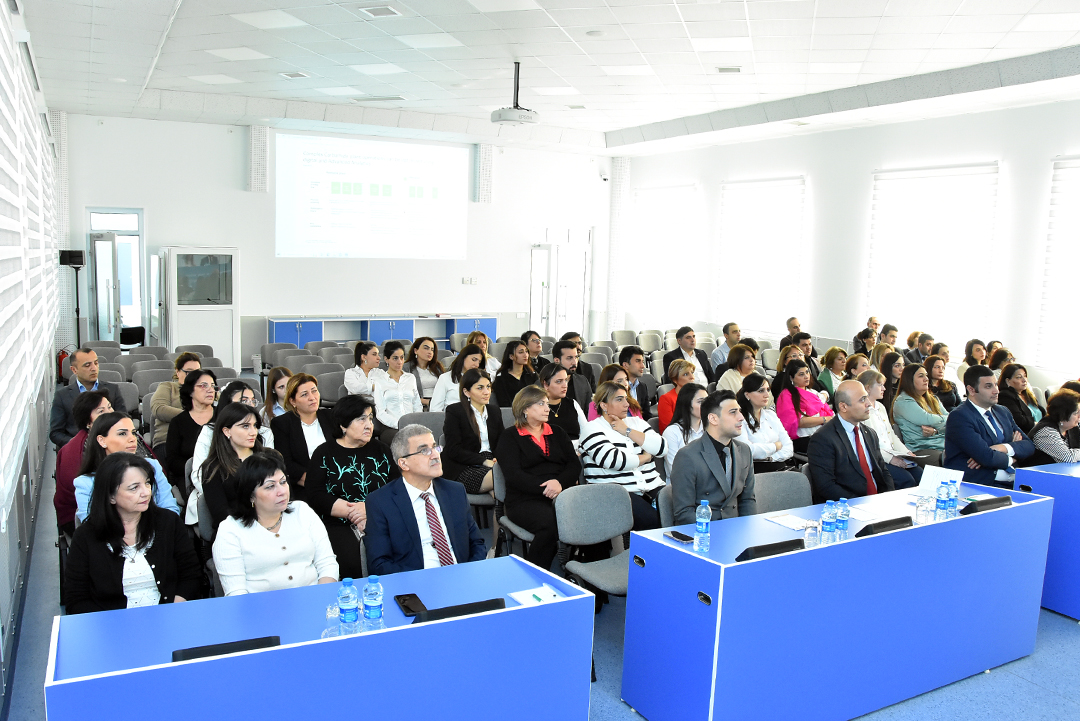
860, 513
932, 477
528, 597
788, 521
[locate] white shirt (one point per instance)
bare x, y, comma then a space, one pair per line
357, 383
140, 586
1002, 474
428, 381
431, 555
889, 443
445, 393
253, 559
673, 437
202, 451
762, 442
492, 365
849, 431
699, 372
313, 436
481, 424
393, 399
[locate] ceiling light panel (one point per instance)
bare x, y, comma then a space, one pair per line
215, 79
344, 90
721, 45
238, 54
270, 20
378, 69
430, 40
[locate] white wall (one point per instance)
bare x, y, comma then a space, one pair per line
190, 180
829, 297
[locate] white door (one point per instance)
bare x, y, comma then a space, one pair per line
104, 290
559, 283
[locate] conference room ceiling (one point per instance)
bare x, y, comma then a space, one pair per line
590, 65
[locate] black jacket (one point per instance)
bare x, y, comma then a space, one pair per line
949, 399
507, 386
289, 442
1021, 414
62, 423
95, 575
702, 363
835, 470
525, 466
461, 446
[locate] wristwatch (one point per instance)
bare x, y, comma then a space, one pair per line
627, 432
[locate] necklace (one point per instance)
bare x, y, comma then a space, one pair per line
277, 525
554, 409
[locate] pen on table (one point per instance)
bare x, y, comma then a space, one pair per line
538, 599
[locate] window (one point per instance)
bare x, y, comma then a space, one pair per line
1058, 346
932, 246
763, 253
126, 265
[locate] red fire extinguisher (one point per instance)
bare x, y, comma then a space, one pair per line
60, 358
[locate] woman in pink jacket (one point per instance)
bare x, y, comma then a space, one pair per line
801, 410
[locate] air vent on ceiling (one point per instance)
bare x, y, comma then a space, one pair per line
295, 75
377, 98
729, 69
382, 11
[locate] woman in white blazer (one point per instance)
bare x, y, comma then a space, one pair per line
769, 442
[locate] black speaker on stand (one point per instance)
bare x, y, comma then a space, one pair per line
75, 259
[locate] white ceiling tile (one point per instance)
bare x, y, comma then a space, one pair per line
269, 19
238, 54
323, 14
522, 19
656, 30
996, 7
405, 26
789, 42
953, 56
537, 35
982, 23
1049, 22
903, 41
624, 70
835, 68
378, 69
968, 40
907, 55
664, 45
922, 8
781, 9
907, 24
842, 42
215, 79
647, 14
500, 6
429, 40
845, 26
760, 28
1044, 40
850, 8
470, 21
715, 11
718, 29
835, 56
722, 45
791, 56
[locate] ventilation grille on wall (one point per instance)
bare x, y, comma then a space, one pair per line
259, 158
482, 173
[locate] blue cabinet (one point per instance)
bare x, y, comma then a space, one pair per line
380, 331
297, 332
468, 325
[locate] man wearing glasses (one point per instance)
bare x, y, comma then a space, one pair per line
420, 520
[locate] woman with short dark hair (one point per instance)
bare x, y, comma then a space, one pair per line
535, 344
999, 359
555, 381
770, 444
197, 395
129, 552
686, 425
270, 542
741, 363
515, 372
1053, 437
395, 391
974, 354
801, 410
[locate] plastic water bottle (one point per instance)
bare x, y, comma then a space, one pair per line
843, 513
828, 523
348, 607
373, 616
703, 518
954, 497
941, 510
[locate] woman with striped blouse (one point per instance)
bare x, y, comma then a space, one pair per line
619, 449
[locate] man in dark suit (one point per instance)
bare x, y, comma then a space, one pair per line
715, 467
84, 367
981, 437
845, 459
922, 350
632, 360
583, 369
420, 520
688, 351
806, 345
566, 353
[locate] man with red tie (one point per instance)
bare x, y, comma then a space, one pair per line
845, 460
420, 520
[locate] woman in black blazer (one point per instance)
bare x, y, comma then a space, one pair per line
1016, 395
539, 462
129, 552
468, 449
290, 440
514, 373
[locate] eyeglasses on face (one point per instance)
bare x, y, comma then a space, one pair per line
424, 451
206, 386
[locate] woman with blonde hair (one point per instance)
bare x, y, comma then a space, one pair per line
879, 352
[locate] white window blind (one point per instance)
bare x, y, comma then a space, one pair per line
933, 254
764, 245
1058, 343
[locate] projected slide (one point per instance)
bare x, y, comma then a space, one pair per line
353, 198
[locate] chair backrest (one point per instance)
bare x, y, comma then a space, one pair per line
110, 376
593, 513
210, 362
317, 345
770, 357
330, 385
143, 380
623, 337
649, 342
607, 344
652, 385
506, 338
664, 388
445, 353
549, 338
707, 346
129, 361
547, 345
108, 353
154, 350
282, 353
202, 350
806, 472
596, 368
267, 351
114, 367
95, 344
154, 365
666, 506
508, 417
226, 373
601, 350
500, 483
496, 351
206, 523
187, 478
656, 331
763, 344
710, 388
329, 352
654, 423
781, 491
433, 421
130, 393
457, 341
319, 368
294, 361
148, 418
598, 358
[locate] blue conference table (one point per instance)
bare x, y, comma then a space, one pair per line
1061, 481
109, 663
835, 631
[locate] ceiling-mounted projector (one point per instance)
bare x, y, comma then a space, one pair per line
515, 115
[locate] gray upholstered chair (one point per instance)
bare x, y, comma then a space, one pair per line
144, 379
202, 350
154, 365
330, 385
130, 393
591, 514
624, 337
129, 361
432, 420
110, 376
666, 506
781, 490
508, 530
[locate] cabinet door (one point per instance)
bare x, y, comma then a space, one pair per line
285, 331
308, 331
401, 329
490, 326
379, 332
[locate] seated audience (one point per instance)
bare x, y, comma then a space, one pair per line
873, 324
360, 379
741, 363
535, 344
941, 350
787, 354
515, 373
1016, 395
342, 473
617, 375
582, 369
762, 431
296, 552
974, 355
619, 449
114, 433
845, 457
84, 367
806, 345
945, 391
801, 410
832, 375
981, 438
425, 367
905, 472
878, 353
632, 360
87, 408
889, 334
865, 340
234, 439
732, 335
578, 387
274, 405
681, 372
538, 461
694, 474
197, 396
999, 359
446, 390
420, 520
794, 328
892, 367
854, 365
920, 352
472, 429
479, 339
129, 552
1054, 436
305, 427
395, 391
556, 381
685, 423
992, 347
912, 342
917, 412
688, 351
165, 403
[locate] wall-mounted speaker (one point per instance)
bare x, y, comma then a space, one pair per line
482, 157
258, 159
73, 258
